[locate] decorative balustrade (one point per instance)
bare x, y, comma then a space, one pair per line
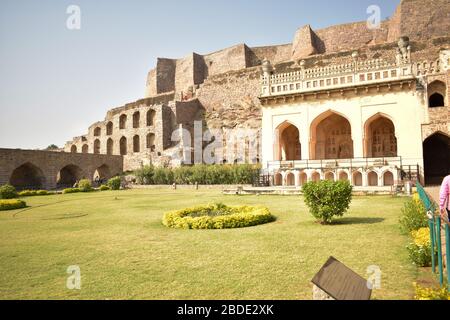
334, 77
335, 163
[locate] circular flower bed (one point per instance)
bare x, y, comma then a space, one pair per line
217, 216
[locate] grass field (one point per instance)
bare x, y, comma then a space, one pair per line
124, 251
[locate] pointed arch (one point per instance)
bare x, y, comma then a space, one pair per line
68, 176
109, 146
27, 176
287, 146
123, 121
379, 136
151, 115
109, 128
73, 149
136, 144
331, 136
97, 146
136, 119
123, 146
436, 157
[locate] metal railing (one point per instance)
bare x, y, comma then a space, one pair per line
435, 225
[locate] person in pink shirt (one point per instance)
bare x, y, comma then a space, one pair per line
444, 198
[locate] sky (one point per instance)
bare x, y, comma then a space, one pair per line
56, 82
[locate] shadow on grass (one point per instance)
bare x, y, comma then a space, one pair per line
355, 220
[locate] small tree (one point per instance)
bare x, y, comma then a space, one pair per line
52, 147
85, 185
7, 191
327, 199
114, 183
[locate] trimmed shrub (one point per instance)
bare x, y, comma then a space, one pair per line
32, 193
12, 204
217, 216
104, 188
114, 183
420, 249
85, 185
202, 174
7, 191
413, 216
423, 293
327, 199
71, 190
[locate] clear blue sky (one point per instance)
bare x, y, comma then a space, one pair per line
54, 82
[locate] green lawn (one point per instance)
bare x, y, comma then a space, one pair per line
124, 251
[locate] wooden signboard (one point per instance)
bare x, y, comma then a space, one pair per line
340, 282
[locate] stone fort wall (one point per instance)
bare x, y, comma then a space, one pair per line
223, 87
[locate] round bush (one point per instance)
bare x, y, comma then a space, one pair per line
104, 188
12, 204
217, 216
7, 191
114, 183
85, 185
327, 199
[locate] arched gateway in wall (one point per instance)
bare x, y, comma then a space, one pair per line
33, 169
436, 157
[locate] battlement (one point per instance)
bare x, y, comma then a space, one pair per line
420, 20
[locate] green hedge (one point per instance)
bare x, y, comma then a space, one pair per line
71, 190
12, 204
201, 174
32, 193
217, 216
85, 185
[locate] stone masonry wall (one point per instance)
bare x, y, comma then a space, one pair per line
50, 163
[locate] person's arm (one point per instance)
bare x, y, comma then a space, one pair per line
443, 195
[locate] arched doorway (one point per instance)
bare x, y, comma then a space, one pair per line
101, 175
151, 114
68, 176
303, 178
109, 128
27, 176
97, 146
380, 139
436, 156
290, 179
136, 144
278, 179
315, 177
343, 176
331, 137
288, 147
388, 179
85, 148
372, 179
73, 149
357, 179
151, 141
329, 176
437, 90
123, 121
123, 146
136, 119
109, 146
97, 132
